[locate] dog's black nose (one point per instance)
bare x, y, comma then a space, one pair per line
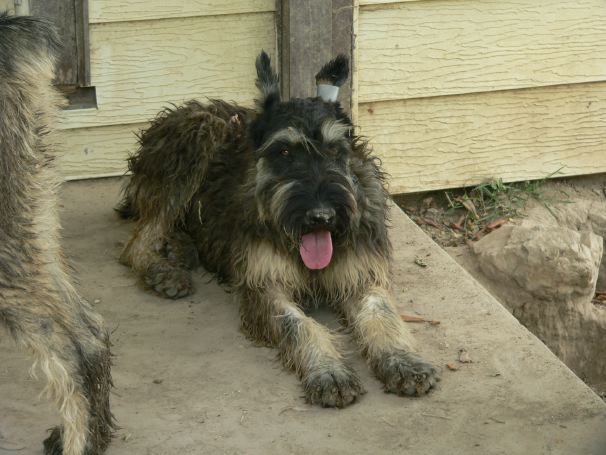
320, 217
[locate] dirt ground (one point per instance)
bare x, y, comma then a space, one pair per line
188, 382
561, 202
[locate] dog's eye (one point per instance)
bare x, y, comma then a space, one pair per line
284, 152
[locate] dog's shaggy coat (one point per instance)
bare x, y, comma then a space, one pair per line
38, 303
286, 206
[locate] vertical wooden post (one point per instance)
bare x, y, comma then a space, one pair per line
71, 19
310, 33
343, 43
82, 42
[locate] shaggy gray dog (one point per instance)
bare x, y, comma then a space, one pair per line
38, 303
286, 206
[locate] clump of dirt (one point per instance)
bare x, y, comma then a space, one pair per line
555, 229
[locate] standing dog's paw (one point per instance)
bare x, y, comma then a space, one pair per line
169, 281
335, 388
404, 373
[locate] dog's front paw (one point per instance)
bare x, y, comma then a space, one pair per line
334, 388
169, 281
180, 251
404, 373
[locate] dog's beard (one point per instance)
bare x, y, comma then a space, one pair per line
288, 202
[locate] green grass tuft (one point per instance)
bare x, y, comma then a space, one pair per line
497, 199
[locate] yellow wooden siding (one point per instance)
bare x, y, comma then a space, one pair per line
139, 67
462, 140
7, 5
430, 48
382, 2
98, 151
133, 10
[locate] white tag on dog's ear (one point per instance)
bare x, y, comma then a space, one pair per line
328, 92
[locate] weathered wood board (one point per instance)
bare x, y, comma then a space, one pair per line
383, 2
7, 5
137, 68
97, 152
455, 141
431, 48
451, 92
136, 10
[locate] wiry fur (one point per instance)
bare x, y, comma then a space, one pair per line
241, 188
334, 72
38, 303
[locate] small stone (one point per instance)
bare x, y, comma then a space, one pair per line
420, 262
464, 356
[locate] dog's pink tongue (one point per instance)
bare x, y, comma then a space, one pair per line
316, 249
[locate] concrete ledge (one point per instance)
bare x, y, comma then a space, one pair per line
188, 382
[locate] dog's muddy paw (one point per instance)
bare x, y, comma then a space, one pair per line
53, 444
407, 374
168, 281
333, 389
181, 251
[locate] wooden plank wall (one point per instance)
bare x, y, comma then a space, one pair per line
7, 5
455, 92
146, 54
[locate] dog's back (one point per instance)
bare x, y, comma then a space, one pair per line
28, 50
28, 105
25, 40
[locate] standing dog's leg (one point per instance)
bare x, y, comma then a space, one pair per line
305, 346
71, 348
38, 304
387, 344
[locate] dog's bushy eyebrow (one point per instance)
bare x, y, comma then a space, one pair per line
334, 131
331, 132
290, 135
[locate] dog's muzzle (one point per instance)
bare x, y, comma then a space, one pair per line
320, 218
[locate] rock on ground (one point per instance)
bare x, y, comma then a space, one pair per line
549, 262
546, 270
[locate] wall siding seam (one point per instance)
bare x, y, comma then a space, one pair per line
570, 85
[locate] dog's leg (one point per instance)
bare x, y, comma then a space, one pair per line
387, 344
305, 346
168, 170
71, 348
146, 254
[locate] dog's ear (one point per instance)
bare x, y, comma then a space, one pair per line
331, 77
334, 72
267, 83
